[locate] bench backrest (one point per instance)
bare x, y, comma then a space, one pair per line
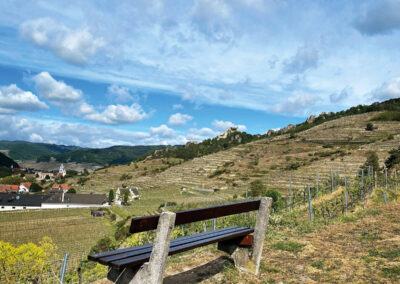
147, 223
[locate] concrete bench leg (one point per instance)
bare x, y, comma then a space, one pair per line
248, 259
151, 272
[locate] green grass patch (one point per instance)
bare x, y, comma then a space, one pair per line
288, 246
393, 273
387, 116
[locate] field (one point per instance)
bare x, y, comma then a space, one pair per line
74, 231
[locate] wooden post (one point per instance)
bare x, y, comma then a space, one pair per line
151, 272
290, 192
309, 203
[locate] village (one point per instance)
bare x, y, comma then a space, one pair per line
42, 190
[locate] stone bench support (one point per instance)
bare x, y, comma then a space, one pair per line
248, 259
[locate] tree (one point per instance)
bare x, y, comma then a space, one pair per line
394, 158
111, 195
125, 197
47, 177
370, 127
372, 160
256, 188
71, 190
16, 180
35, 187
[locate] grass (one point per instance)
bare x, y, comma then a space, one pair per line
288, 246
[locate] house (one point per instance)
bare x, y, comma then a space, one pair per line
62, 172
58, 188
71, 200
25, 187
12, 201
133, 193
15, 201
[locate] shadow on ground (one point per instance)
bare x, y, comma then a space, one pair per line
199, 273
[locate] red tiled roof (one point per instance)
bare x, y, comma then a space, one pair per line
26, 184
14, 187
64, 186
55, 186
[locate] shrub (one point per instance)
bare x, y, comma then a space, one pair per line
369, 127
293, 166
277, 200
35, 187
387, 116
111, 195
104, 244
256, 188
71, 190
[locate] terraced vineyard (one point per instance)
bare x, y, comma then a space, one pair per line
339, 145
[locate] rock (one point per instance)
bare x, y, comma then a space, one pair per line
287, 128
270, 132
311, 119
227, 132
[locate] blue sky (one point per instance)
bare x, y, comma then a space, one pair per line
102, 73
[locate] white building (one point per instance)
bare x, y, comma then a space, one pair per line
133, 194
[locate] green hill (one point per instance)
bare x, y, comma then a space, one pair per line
5, 165
22, 150
107, 156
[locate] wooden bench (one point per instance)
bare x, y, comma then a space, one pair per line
146, 263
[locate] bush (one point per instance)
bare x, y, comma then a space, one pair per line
369, 127
71, 190
35, 187
104, 244
256, 188
277, 200
293, 166
387, 116
111, 195
394, 159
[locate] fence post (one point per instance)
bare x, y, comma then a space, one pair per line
346, 197
165, 206
386, 179
317, 183
384, 197
214, 221
331, 180
64, 267
290, 192
362, 177
309, 203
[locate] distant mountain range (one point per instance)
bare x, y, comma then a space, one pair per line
43, 152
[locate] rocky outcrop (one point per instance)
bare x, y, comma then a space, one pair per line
227, 133
311, 119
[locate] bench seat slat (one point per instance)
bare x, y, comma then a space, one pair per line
174, 243
140, 259
96, 257
147, 223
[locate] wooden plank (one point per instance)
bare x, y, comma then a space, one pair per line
147, 223
140, 259
176, 242
97, 256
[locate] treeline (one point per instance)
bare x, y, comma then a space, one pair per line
209, 146
5, 165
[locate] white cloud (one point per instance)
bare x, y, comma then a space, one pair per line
196, 134
388, 90
120, 94
13, 99
381, 17
118, 114
20, 128
67, 98
179, 119
221, 125
74, 46
296, 105
56, 92
177, 106
305, 58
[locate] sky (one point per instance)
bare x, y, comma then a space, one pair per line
139, 72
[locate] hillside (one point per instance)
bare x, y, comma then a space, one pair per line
107, 156
340, 145
5, 165
22, 150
